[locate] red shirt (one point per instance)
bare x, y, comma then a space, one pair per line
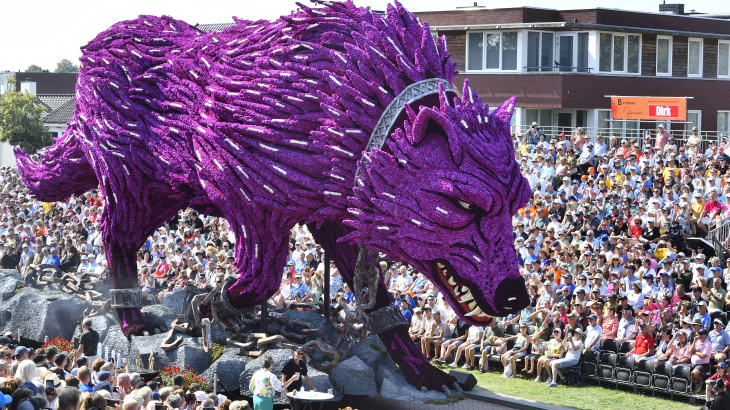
635, 231
643, 343
711, 206
717, 376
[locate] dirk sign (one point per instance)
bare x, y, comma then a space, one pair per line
648, 108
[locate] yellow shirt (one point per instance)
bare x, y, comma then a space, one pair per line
668, 174
697, 208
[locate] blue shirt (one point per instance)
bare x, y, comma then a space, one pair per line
420, 283
719, 340
85, 389
706, 320
300, 289
408, 315
349, 297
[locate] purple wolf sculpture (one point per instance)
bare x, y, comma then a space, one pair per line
268, 124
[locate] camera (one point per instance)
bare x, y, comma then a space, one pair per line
50, 388
110, 402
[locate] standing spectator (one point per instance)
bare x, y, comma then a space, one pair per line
88, 342
296, 365
264, 384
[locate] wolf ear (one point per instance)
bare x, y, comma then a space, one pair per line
505, 111
431, 121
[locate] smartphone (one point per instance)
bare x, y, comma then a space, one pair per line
50, 388
111, 402
159, 406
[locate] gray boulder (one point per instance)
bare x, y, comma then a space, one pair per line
37, 313
175, 301
321, 380
115, 340
9, 280
228, 367
372, 352
388, 371
393, 389
160, 315
313, 318
102, 323
354, 377
280, 357
190, 352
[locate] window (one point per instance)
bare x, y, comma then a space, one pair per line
619, 53
694, 119
723, 123
723, 59
476, 44
492, 51
663, 55
583, 52
539, 51
565, 57
694, 60
607, 127
543, 118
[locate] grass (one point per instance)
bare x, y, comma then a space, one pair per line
378, 348
18, 287
450, 400
583, 397
217, 351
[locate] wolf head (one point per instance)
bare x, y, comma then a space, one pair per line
441, 198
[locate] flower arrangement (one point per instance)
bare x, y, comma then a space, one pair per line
63, 345
189, 375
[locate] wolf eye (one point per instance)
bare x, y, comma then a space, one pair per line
465, 205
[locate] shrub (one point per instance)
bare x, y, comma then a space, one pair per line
189, 376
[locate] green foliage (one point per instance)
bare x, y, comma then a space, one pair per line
18, 287
450, 400
66, 66
217, 351
20, 122
34, 69
379, 348
10, 79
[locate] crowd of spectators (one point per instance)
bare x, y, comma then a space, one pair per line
48, 379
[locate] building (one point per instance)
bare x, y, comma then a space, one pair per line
561, 64
53, 90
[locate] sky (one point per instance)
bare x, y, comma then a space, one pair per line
45, 31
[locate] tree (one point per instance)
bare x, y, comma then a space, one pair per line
20, 122
34, 69
66, 66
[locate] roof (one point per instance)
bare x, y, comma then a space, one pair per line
53, 101
62, 114
214, 26
49, 83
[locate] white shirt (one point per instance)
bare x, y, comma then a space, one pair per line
593, 333
403, 282
624, 328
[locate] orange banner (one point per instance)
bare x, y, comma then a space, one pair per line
649, 108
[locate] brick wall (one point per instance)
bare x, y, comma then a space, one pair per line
573, 91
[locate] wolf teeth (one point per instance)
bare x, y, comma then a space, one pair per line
467, 297
464, 289
440, 265
452, 282
472, 305
477, 311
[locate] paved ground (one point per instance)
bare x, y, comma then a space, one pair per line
377, 403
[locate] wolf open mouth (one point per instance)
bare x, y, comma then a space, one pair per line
470, 304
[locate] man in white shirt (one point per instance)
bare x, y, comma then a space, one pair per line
89, 265
593, 334
626, 326
404, 280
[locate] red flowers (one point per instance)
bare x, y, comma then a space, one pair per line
63, 345
189, 377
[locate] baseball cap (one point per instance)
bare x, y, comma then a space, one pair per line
592, 317
29, 385
717, 321
721, 366
5, 399
21, 350
200, 396
701, 332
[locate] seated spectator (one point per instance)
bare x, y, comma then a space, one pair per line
437, 330
644, 344
416, 329
720, 340
553, 351
458, 337
593, 334
519, 349
721, 374
491, 332
701, 354
573, 348
474, 335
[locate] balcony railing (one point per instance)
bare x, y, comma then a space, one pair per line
638, 134
560, 68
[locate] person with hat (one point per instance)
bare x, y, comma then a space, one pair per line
644, 344
21, 353
720, 340
5, 400
701, 351
299, 290
626, 326
716, 294
702, 315
720, 378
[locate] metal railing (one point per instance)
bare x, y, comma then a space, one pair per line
561, 68
719, 237
638, 134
